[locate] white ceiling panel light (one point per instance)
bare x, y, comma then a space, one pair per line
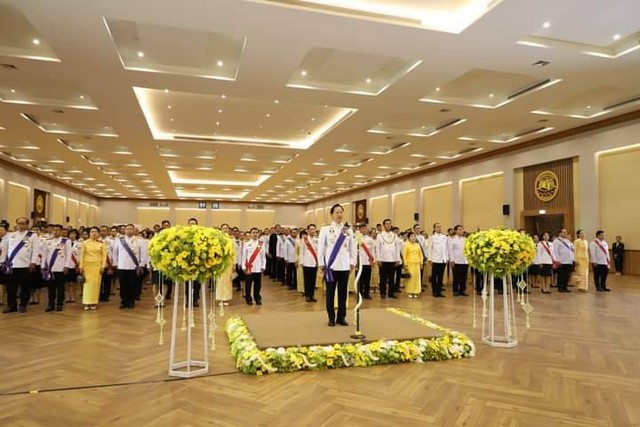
445, 16
285, 133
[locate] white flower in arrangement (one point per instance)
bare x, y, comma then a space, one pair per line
327, 348
282, 351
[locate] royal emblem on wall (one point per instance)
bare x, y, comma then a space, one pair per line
546, 186
39, 203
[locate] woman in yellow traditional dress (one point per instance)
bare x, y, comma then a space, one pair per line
581, 273
224, 283
93, 260
413, 260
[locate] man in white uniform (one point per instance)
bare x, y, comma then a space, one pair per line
438, 258
337, 258
20, 251
254, 262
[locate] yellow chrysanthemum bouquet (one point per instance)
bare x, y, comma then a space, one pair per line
185, 253
499, 252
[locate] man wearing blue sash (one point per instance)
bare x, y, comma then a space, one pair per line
56, 261
127, 256
19, 255
564, 254
336, 258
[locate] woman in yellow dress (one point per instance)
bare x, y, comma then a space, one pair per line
581, 274
224, 283
93, 260
413, 260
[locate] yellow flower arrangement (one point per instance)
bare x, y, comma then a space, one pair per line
500, 252
186, 253
251, 360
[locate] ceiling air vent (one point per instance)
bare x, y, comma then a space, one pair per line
449, 124
622, 103
528, 132
469, 150
8, 67
529, 88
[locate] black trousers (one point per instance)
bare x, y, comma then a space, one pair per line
564, 272
196, 291
309, 274
387, 273
478, 280
239, 277
128, 280
280, 264
618, 263
600, 273
140, 282
397, 278
437, 274
364, 284
460, 278
105, 286
268, 267
340, 281
56, 289
21, 278
291, 279
253, 281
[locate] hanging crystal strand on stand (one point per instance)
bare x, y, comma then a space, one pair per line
212, 316
508, 294
485, 284
474, 308
160, 303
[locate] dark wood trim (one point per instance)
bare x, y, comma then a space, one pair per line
544, 140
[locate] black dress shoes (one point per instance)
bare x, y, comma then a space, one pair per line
22, 309
342, 322
606, 290
367, 297
58, 308
331, 323
259, 302
249, 302
49, 309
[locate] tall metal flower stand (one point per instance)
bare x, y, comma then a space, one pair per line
498, 331
191, 366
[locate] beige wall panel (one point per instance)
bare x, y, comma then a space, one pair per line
436, 207
83, 215
482, 203
348, 212
147, 217
404, 206
18, 197
261, 218
57, 209
93, 215
72, 212
228, 216
183, 215
319, 217
379, 208
619, 176
309, 216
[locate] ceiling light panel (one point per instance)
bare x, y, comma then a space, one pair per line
349, 72
27, 91
195, 117
445, 16
70, 124
144, 47
413, 126
483, 88
17, 37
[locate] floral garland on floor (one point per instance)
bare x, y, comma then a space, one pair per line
251, 360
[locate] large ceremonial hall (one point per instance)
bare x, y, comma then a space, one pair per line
467, 115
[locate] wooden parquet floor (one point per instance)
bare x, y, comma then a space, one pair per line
578, 365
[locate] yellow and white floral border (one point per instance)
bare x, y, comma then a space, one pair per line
251, 360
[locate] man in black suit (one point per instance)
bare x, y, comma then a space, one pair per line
618, 254
273, 247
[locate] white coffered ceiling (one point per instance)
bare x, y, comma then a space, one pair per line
295, 100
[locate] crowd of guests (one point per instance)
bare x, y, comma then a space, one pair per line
97, 261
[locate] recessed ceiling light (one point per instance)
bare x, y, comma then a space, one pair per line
140, 54
171, 119
220, 111
169, 107
546, 24
437, 89
491, 95
13, 91
368, 80
166, 91
616, 37
276, 101
217, 123
220, 63
224, 96
313, 119
268, 115
35, 41
303, 73
81, 96
588, 107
